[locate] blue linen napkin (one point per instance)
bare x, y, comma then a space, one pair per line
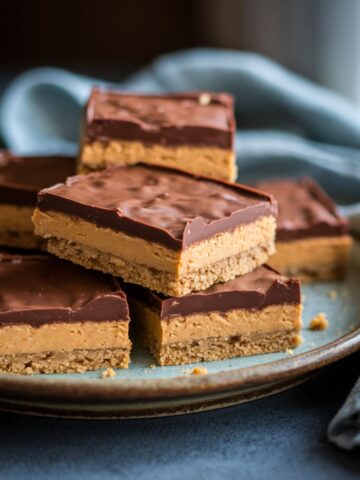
288, 127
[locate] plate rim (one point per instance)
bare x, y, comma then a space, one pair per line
97, 390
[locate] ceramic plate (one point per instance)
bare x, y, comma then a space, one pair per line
143, 390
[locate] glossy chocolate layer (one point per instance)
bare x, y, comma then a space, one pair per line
161, 205
173, 119
21, 178
256, 290
42, 289
305, 210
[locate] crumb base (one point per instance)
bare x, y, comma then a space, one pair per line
220, 348
76, 361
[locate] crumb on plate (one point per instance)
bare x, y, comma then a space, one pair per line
199, 371
319, 322
108, 373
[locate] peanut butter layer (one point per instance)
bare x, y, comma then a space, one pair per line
16, 227
152, 265
311, 259
209, 161
24, 338
197, 118
159, 205
305, 210
192, 327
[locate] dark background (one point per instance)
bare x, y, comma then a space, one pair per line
110, 37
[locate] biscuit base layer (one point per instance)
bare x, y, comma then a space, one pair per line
76, 361
313, 259
213, 162
161, 281
219, 348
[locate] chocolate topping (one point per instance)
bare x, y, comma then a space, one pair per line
173, 119
305, 210
21, 178
256, 290
162, 205
41, 289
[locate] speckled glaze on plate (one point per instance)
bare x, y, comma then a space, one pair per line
142, 391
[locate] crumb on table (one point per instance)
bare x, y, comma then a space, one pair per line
199, 371
108, 373
319, 322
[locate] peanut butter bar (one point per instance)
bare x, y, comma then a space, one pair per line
259, 312
56, 317
21, 178
190, 131
312, 240
160, 228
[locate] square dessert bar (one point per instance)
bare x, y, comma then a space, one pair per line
163, 229
312, 240
190, 131
21, 178
56, 317
259, 312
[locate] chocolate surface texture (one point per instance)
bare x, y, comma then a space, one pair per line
305, 210
21, 178
174, 119
39, 289
256, 290
158, 204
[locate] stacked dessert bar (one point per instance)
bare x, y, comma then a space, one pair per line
191, 249
158, 225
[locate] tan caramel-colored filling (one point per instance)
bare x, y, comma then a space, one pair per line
208, 161
52, 337
313, 258
16, 218
16, 227
133, 249
189, 328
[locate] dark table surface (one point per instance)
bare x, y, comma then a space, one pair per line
279, 437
